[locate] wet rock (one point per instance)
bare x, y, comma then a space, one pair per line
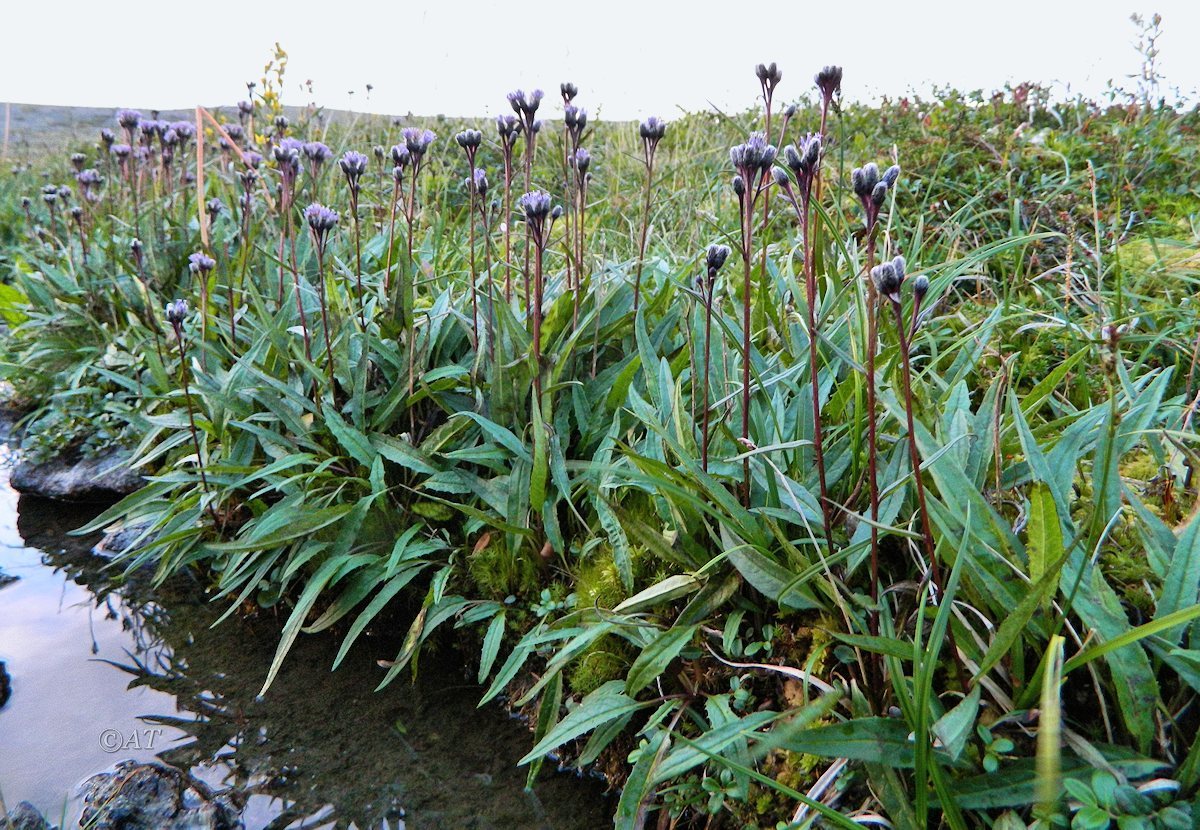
5, 687
153, 797
119, 541
26, 817
101, 479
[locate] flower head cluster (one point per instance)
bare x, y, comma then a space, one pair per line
752, 161
353, 164
526, 106
804, 160
470, 140
872, 188
888, 277
569, 91
201, 263
214, 207
176, 312
245, 110
400, 156
287, 159
509, 128
537, 207
769, 75
479, 181
417, 141
317, 154
78, 160
321, 220
576, 119
107, 138
128, 120
829, 81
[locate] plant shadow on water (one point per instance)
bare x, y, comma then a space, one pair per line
320, 749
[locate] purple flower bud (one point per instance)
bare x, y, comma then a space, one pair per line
568, 90
887, 281
353, 164
201, 263
739, 186
215, 208
176, 312
768, 75
78, 160
920, 286
829, 81
106, 136
469, 139
581, 161
417, 141
400, 155
480, 182
320, 218
536, 205
715, 258
128, 120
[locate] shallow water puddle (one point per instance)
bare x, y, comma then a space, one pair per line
99, 676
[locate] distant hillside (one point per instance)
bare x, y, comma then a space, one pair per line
34, 129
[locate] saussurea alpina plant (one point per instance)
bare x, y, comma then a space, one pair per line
417, 143
321, 222
470, 140
769, 76
509, 129
652, 131
872, 191
539, 221
714, 260
400, 160
480, 186
581, 162
317, 153
574, 123
176, 313
829, 83
804, 162
752, 161
889, 277
353, 165
201, 265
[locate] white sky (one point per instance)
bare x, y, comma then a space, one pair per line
630, 58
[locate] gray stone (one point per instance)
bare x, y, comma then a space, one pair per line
5, 687
26, 817
119, 541
153, 797
103, 478
7, 579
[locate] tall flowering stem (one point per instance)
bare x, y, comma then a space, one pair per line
354, 165
804, 162
417, 142
572, 134
470, 140
581, 161
321, 222
769, 76
509, 128
200, 265
176, 313
872, 190
713, 261
526, 107
752, 161
651, 131
539, 220
888, 278
400, 160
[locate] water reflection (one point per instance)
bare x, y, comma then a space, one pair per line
321, 749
